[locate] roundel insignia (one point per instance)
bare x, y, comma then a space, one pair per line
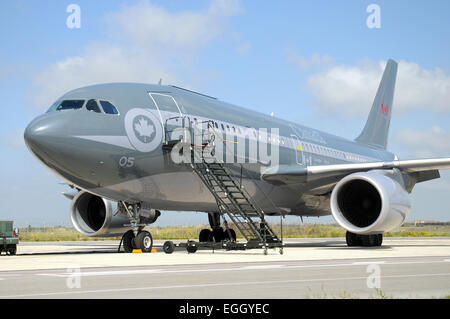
143, 129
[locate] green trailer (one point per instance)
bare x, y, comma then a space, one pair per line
9, 237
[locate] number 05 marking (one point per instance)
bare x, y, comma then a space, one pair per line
126, 161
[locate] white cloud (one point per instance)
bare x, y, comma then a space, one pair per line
145, 43
350, 90
153, 28
434, 142
304, 63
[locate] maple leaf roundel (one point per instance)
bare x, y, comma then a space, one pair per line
143, 129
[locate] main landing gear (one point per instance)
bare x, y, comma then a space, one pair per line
363, 240
217, 234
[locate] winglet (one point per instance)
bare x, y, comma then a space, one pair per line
376, 130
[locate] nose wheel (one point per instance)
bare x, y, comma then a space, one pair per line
128, 241
143, 241
136, 238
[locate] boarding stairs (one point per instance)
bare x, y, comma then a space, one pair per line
232, 198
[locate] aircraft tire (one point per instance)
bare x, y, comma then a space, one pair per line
352, 239
144, 241
218, 234
128, 241
227, 236
370, 240
205, 235
378, 240
366, 240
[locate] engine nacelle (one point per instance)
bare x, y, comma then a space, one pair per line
369, 203
94, 216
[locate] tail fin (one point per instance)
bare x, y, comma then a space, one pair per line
376, 130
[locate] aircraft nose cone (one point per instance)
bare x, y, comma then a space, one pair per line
38, 136
34, 134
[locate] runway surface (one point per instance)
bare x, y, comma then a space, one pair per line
309, 268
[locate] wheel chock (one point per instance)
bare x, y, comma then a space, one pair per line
139, 251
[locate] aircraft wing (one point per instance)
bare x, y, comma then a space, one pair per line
423, 169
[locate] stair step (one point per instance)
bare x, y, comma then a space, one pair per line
233, 201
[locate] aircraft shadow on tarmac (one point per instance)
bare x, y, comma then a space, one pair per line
323, 245
329, 245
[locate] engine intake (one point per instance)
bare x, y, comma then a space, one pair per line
369, 203
93, 216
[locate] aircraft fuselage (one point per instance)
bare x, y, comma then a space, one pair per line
120, 156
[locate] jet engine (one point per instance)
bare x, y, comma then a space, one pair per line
369, 203
94, 216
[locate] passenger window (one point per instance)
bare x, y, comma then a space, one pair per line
108, 107
165, 103
70, 105
92, 105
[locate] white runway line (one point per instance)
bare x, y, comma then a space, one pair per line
256, 267
157, 271
245, 268
213, 285
368, 262
105, 273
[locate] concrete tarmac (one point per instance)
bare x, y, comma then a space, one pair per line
308, 268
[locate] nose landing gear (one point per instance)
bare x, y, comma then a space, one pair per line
143, 241
136, 238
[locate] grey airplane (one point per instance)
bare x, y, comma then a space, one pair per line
131, 151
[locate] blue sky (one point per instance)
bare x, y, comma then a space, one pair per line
313, 62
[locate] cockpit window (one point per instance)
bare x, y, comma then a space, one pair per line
70, 105
92, 105
108, 107
54, 106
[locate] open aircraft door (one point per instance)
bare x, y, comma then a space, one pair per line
171, 116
